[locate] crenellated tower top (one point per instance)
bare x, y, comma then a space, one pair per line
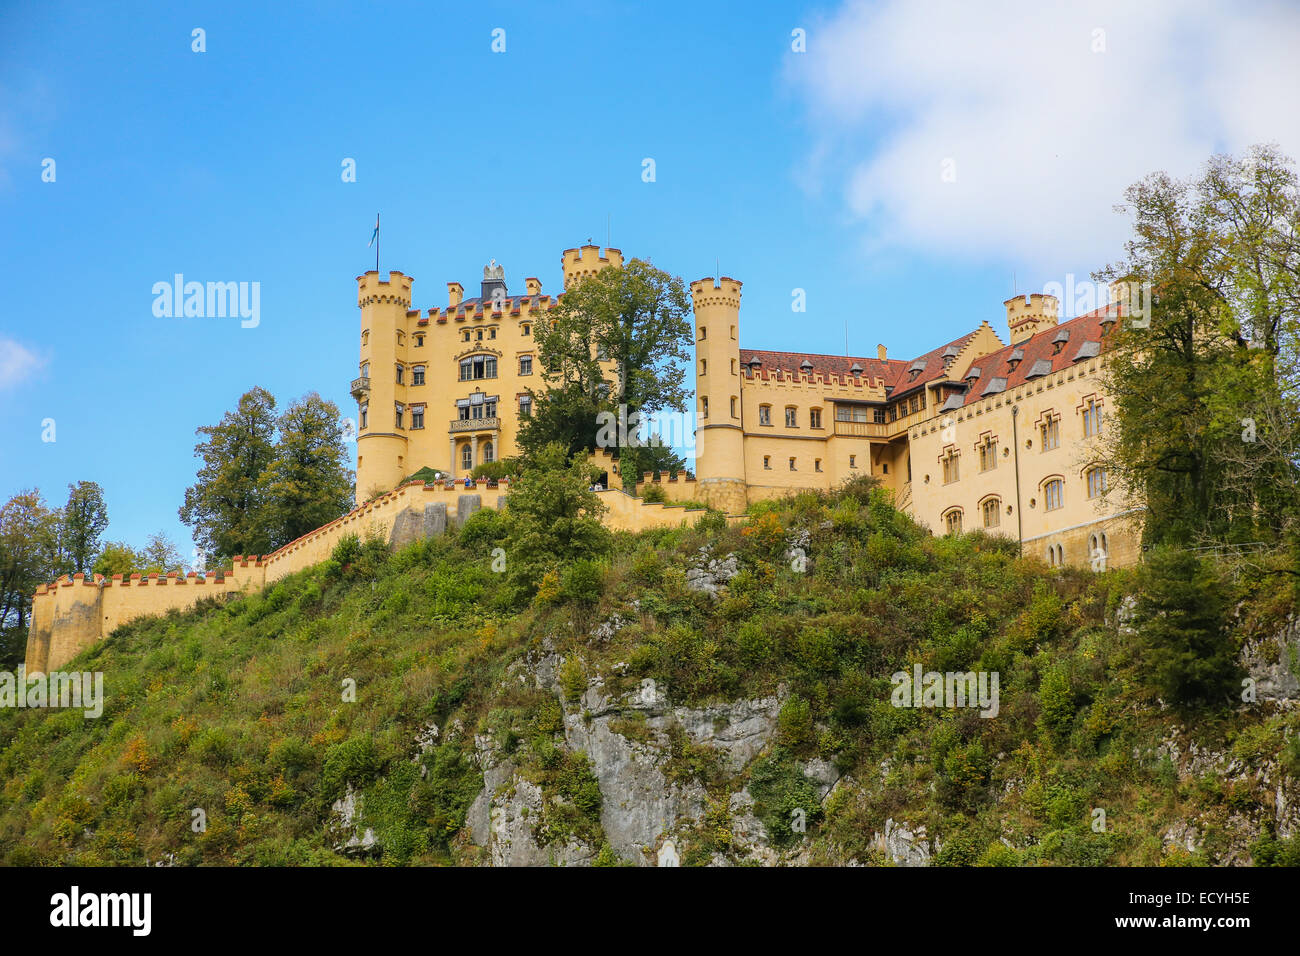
587, 261
395, 290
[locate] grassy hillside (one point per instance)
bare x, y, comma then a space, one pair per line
241, 710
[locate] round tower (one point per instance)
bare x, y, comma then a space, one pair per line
381, 442
719, 428
1029, 315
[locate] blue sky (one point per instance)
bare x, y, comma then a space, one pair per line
821, 170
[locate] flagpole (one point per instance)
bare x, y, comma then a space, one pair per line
376, 243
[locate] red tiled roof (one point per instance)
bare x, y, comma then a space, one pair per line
824, 365
1083, 328
903, 382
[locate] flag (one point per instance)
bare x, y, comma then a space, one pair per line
374, 235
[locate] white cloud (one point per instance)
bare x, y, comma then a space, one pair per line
1043, 133
16, 363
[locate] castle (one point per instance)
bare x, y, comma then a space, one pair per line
973, 434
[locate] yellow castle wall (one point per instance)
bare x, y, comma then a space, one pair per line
437, 339
1062, 394
70, 615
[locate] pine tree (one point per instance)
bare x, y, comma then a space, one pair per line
1181, 621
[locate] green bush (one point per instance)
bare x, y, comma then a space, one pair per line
652, 493
354, 761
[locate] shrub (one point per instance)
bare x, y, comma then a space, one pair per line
583, 581
652, 493
354, 761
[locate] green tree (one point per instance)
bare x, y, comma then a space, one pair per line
83, 521
1181, 621
117, 557
29, 533
1206, 395
226, 505
554, 516
159, 556
630, 322
307, 483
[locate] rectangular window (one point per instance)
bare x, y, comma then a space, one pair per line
733, 407
478, 366
525, 365
417, 375
1092, 419
765, 414
527, 330
397, 413
792, 468
814, 418
400, 370
364, 415
950, 472
1051, 431
419, 341
913, 406
989, 455
525, 406
879, 416
767, 462
417, 416
1096, 482
817, 464
853, 461
704, 366
791, 418
704, 406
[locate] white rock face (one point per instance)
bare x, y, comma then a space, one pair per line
642, 808
714, 573
347, 809
1274, 663
905, 845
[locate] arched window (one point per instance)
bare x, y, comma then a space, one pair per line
1053, 494
952, 521
1096, 482
487, 451
992, 511
467, 458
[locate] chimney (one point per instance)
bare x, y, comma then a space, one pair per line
1029, 315
454, 292
882, 352
534, 286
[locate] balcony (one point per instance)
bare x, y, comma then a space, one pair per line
474, 424
361, 387
861, 429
